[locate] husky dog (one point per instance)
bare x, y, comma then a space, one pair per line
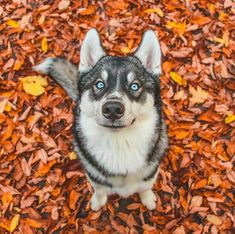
119, 132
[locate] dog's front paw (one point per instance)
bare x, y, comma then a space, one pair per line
148, 198
97, 201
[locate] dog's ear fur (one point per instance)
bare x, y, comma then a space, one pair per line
64, 72
149, 53
91, 51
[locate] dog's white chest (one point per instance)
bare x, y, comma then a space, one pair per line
123, 151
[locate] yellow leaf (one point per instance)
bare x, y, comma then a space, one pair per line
155, 10
8, 108
214, 220
224, 40
177, 78
18, 65
14, 222
222, 16
180, 27
72, 155
229, 119
34, 85
125, 50
6, 198
220, 40
211, 8
44, 44
13, 23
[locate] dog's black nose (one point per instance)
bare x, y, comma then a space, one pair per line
113, 110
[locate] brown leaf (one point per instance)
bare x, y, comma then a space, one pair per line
25, 167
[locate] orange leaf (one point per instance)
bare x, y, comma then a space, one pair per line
133, 206
8, 132
73, 198
4, 223
200, 20
89, 11
33, 223
181, 134
200, 184
94, 215
44, 168
6, 200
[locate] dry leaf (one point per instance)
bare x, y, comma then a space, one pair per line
14, 222
34, 85
155, 10
229, 119
196, 201
198, 95
63, 5
44, 44
12, 23
214, 220
177, 78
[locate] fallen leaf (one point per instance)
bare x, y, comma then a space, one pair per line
25, 167
14, 222
63, 5
34, 85
44, 44
155, 10
72, 155
198, 95
229, 119
13, 23
200, 184
177, 78
214, 220
6, 200
44, 168
196, 201
73, 198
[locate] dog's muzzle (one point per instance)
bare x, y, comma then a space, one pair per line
113, 110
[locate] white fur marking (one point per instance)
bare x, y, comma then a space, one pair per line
104, 75
149, 53
44, 66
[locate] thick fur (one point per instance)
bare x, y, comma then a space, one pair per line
123, 155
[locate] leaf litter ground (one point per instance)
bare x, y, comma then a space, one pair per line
43, 188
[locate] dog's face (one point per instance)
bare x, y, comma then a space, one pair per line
119, 91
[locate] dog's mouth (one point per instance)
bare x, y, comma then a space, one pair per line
115, 126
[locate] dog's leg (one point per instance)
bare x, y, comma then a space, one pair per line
98, 199
148, 198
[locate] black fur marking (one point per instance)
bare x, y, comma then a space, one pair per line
97, 180
118, 68
153, 153
152, 173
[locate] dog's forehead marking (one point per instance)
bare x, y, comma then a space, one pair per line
104, 75
130, 76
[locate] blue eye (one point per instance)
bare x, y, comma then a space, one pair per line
99, 85
134, 86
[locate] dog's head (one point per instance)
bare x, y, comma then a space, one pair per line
115, 91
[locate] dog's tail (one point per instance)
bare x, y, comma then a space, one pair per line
63, 71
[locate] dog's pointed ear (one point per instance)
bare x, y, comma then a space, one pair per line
91, 51
149, 53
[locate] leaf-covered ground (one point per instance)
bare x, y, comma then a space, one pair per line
42, 186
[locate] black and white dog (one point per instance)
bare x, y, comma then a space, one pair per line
119, 132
